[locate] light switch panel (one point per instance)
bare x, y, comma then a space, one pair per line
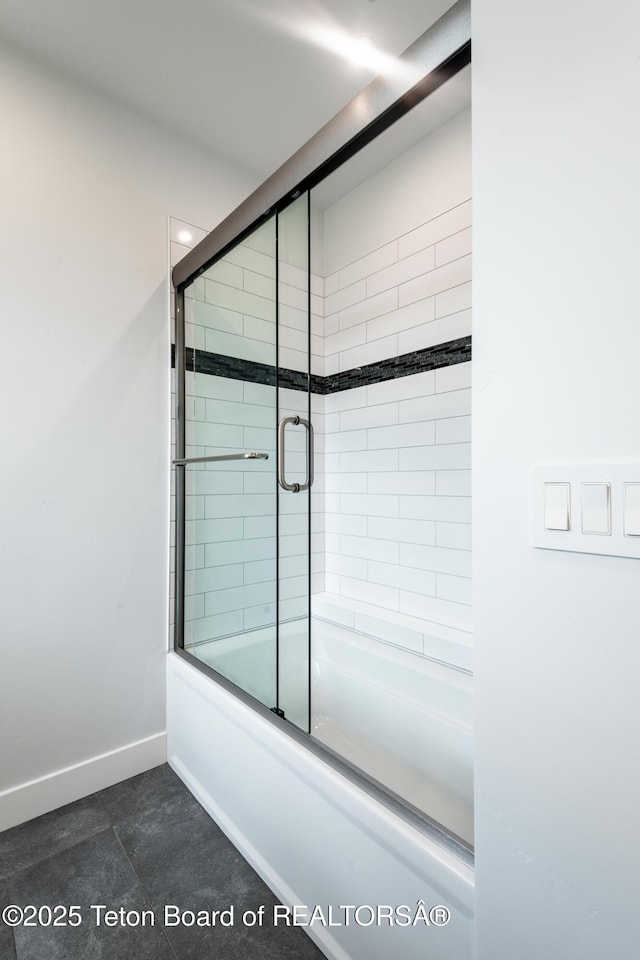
587, 507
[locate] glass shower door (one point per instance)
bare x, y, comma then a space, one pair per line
230, 498
243, 539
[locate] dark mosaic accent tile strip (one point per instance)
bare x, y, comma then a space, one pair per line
233, 368
419, 361
293, 379
430, 358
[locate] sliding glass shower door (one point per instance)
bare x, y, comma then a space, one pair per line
242, 582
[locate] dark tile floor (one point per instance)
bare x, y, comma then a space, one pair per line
139, 845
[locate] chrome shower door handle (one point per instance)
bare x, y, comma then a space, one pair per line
294, 487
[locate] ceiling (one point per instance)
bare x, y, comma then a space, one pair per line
241, 77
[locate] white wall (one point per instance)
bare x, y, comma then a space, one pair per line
556, 345
87, 188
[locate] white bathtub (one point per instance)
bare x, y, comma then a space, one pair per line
315, 834
403, 719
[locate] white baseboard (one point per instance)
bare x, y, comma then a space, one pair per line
29, 800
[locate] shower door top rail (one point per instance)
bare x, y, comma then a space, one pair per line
183, 461
441, 51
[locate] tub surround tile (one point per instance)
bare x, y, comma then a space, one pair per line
446, 456
402, 531
381, 305
436, 610
369, 504
390, 378
369, 592
434, 332
416, 482
450, 378
406, 578
403, 271
453, 588
453, 483
419, 421
345, 297
434, 282
368, 353
400, 319
381, 415
370, 264
450, 645
437, 406
391, 368
455, 301
436, 559
455, 535
437, 229
251, 259
454, 430
455, 246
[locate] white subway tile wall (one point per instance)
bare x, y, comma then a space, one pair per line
391, 502
397, 470
413, 292
402, 469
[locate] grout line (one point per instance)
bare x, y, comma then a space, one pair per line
406, 234
144, 892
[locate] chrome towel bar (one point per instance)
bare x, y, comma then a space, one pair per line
224, 456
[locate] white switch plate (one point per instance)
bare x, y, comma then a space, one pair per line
617, 544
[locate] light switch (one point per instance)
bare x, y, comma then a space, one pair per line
632, 509
596, 508
556, 506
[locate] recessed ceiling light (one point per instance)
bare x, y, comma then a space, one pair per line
185, 237
360, 51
